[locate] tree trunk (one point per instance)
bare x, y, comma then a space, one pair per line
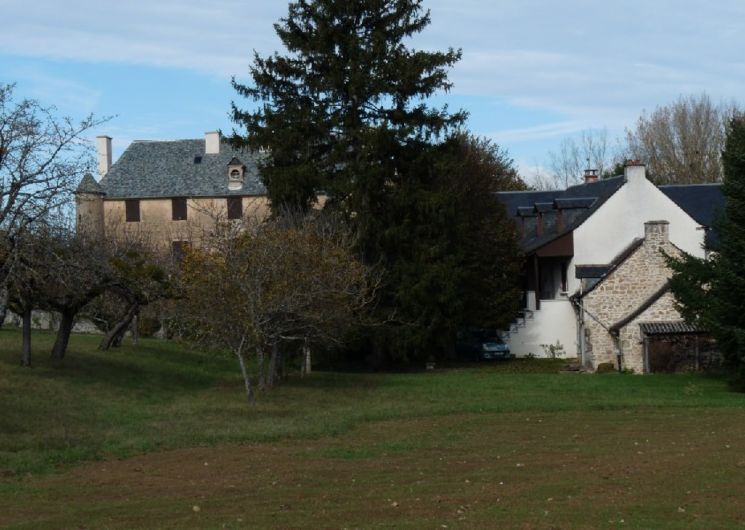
117, 332
260, 367
306, 358
272, 371
4, 295
246, 379
136, 330
63, 335
26, 349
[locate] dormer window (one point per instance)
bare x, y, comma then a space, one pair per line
236, 172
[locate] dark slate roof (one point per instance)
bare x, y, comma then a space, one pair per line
572, 202
700, 201
583, 199
591, 271
89, 185
150, 169
514, 199
678, 327
703, 202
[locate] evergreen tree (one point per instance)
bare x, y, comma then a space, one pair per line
336, 111
710, 292
728, 285
344, 111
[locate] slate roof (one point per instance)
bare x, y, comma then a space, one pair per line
700, 201
703, 202
153, 169
578, 202
591, 271
678, 327
89, 185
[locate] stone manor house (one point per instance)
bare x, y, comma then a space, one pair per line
594, 281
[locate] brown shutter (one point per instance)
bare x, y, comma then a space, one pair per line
235, 208
132, 213
178, 209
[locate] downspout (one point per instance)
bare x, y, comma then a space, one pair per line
619, 350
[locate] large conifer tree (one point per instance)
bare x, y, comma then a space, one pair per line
344, 111
728, 286
336, 110
711, 292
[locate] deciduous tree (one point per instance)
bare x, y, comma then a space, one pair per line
681, 142
252, 289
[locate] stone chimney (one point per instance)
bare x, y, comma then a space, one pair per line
657, 231
591, 175
212, 143
103, 150
634, 171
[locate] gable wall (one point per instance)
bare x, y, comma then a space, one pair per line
621, 219
630, 337
627, 287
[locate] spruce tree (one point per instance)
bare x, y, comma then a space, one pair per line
728, 285
710, 292
344, 111
339, 108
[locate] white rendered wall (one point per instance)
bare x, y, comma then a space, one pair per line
621, 219
554, 321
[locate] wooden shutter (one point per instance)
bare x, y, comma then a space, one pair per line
178, 209
132, 210
235, 208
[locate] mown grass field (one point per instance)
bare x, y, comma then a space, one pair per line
159, 436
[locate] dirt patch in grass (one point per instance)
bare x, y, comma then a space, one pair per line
577, 469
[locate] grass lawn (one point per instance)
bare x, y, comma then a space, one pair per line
159, 437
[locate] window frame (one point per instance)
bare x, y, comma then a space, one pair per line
132, 211
232, 209
183, 207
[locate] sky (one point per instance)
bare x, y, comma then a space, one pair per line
532, 73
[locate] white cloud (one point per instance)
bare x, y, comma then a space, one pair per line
592, 64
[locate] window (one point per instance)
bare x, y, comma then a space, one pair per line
132, 210
235, 174
235, 208
178, 209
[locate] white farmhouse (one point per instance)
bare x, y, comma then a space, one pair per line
574, 238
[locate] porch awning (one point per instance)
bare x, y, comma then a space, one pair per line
678, 327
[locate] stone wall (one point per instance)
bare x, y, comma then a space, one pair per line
630, 337
622, 292
47, 320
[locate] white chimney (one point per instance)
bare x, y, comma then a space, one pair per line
103, 149
212, 143
634, 171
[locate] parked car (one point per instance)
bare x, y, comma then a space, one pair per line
479, 346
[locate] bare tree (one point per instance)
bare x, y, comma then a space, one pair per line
682, 142
592, 149
255, 288
42, 157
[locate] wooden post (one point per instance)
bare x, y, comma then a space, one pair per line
647, 368
537, 285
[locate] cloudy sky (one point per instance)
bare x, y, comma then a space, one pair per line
533, 71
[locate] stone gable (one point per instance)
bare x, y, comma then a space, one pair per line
627, 287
